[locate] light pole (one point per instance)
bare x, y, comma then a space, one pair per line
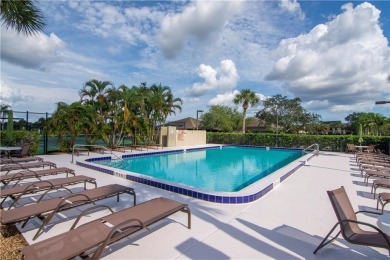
197, 118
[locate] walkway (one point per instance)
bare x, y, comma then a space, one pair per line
287, 223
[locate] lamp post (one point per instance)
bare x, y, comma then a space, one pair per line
197, 118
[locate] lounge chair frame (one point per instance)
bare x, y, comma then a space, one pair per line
342, 206
20, 160
93, 237
26, 166
28, 174
64, 203
383, 199
16, 193
379, 183
379, 174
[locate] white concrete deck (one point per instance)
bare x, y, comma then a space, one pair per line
287, 223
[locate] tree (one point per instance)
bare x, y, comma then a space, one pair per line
4, 112
222, 118
246, 97
286, 114
22, 16
163, 104
72, 120
372, 122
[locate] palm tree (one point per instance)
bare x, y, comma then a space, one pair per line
163, 104
22, 16
246, 97
72, 120
95, 93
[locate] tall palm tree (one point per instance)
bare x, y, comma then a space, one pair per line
95, 94
22, 16
247, 98
163, 104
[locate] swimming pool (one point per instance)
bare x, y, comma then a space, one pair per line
252, 192
224, 169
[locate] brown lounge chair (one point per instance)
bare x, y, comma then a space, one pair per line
383, 199
25, 166
15, 193
117, 148
351, 148
379, 174
6, 179
20, 160
45, 210
93, 237
379, 183
349, 225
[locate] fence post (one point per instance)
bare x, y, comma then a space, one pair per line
45, 138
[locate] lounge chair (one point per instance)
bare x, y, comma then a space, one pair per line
379, 174
25, 166
379, 183
370, 148
93, 237
24, 152
20, 160
118, 148
28, 174
15, 193
351, 148
350, 226
78, 150
383, 199
45, 210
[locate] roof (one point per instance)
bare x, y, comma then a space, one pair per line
186, 123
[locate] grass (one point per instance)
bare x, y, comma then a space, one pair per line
11, 241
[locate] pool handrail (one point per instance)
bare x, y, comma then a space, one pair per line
94, 145
309, 150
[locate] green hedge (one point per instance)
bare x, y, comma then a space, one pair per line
337, 143
20, 137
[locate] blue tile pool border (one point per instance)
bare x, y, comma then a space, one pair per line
226, 199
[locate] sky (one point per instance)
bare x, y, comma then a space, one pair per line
333, 55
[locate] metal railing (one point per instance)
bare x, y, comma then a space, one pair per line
309, 149
96, 146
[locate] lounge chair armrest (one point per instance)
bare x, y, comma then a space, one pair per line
111, 236
53, 189
86, 211
386, 237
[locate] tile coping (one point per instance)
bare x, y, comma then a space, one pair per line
246, 195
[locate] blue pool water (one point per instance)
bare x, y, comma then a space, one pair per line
226, 169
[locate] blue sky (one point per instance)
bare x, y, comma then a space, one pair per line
334, 55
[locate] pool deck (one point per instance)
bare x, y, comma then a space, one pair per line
287, 223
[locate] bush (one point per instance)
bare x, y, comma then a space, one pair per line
20, 137
336, 143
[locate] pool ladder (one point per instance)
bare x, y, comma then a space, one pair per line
309, 149
96, 146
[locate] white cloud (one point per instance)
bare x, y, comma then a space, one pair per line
343, 62
9, 96
36, 51
225, 99
220, 79
200, 20
292, 6
132, 25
